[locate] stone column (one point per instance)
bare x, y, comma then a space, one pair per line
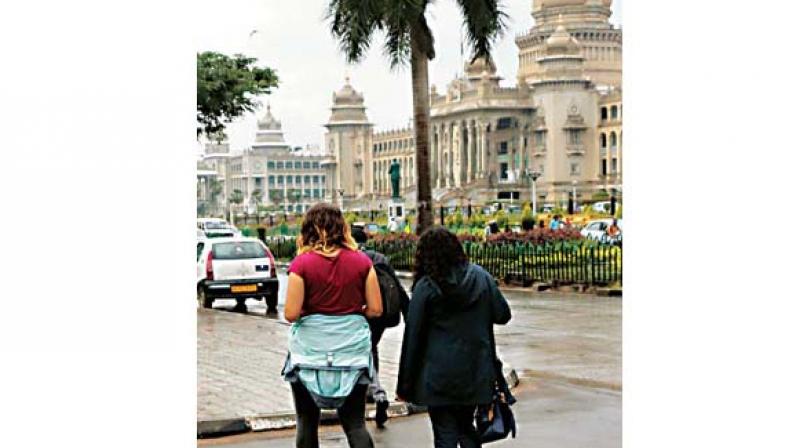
488, 151
435, 155
453, 151
458, 162
439, 156
481, 150
470, 155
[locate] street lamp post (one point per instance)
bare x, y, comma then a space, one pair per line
574, 195
533, 175
341, 198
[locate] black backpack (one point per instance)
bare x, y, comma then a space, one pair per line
394, 297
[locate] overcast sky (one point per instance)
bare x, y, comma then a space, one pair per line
293, 39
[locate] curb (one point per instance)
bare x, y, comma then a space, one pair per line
284, 420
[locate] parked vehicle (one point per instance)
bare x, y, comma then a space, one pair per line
217, 228
236, 268
369, 227
598, 230
602, 207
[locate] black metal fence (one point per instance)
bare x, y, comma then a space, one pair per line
579, 262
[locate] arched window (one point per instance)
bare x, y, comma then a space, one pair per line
603, 113
603, 140
613, 112
613, 140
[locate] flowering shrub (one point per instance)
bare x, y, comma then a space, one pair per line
393, 237
536, 236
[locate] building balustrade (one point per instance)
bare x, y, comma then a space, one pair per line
576, 150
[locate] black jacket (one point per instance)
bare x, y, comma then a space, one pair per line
448, 345
380, 259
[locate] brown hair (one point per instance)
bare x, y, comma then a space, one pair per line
438, 251
324, 230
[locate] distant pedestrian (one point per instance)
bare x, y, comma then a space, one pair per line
395, 302
555, 223
332, 287
613, 229
447, 361
541, 223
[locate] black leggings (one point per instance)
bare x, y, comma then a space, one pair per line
351, 416
453, 426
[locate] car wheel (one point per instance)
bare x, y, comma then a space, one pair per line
202, 297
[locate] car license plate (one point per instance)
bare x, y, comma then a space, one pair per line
244, 288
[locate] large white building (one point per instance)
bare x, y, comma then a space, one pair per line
562, 118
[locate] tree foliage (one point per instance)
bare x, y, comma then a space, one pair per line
353, 22
227, 87
236, 197
409, 39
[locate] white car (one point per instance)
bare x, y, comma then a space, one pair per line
602, 207
217, 228
598, 230
236, 268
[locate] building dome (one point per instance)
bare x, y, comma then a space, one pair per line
347, 94
269, 133
268, 122
348, 106
562, 43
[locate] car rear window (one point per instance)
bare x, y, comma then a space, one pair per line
216, 225
237, 250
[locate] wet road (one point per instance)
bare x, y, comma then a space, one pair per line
567, 336
567, 349
550, 414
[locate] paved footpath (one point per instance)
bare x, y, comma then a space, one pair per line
239, 359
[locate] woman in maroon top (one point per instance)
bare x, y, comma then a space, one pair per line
330, 276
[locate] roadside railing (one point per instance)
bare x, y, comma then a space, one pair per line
564, 262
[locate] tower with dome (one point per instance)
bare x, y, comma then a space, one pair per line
559, 116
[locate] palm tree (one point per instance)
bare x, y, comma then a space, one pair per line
408, 38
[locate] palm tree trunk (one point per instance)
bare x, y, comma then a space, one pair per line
419, 81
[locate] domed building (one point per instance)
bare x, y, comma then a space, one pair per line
486, 139
559, 121
587, 21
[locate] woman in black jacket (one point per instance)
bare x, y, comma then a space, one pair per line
447, 360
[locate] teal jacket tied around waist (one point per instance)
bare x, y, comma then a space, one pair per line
329, 355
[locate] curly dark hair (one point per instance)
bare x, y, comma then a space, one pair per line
324, 230
438, 251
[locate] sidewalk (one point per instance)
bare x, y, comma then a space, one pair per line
239, 359
239, 386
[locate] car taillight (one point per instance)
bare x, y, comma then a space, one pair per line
210, 266
272, 272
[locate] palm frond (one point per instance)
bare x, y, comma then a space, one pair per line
352, 23
484, 21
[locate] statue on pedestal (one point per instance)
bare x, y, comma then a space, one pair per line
394, 174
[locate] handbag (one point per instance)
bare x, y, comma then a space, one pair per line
495, 421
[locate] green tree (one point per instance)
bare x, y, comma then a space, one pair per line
227, 87
409, 39
276, 196
256, 195
237, 197
216, 190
